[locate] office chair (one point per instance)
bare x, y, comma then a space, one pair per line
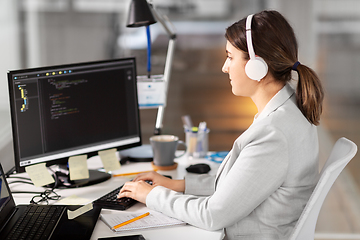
343, 151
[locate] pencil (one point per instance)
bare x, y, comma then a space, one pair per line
128, 174
130, 221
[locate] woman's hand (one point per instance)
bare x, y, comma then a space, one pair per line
136, 190
160, 180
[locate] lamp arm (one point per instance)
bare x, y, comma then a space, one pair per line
171, 34
167, 70
167, 73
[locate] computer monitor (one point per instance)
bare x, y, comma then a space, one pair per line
73, 109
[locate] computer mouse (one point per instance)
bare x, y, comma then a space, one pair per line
198, 168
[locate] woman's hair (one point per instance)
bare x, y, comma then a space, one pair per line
274, 40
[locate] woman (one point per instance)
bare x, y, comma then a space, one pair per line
267, 178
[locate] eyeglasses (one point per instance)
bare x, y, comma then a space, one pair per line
44, 197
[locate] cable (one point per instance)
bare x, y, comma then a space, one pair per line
48, 194
22, 192
25, 178
21, 182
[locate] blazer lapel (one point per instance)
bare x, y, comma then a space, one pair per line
279, 99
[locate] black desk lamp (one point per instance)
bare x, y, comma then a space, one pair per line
141, 14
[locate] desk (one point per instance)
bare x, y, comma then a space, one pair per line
93, 192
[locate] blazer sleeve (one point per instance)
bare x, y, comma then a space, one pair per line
258, 170
202, 185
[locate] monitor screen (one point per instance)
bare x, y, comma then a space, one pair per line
66, 110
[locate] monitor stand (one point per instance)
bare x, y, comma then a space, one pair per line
63, 178
141, 153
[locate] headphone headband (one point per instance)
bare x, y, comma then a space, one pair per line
249, 37
256, 68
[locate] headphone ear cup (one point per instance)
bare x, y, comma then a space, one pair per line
256, 68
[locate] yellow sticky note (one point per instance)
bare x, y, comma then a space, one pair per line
73, 200
109, 160
39, 174
79, 211
78, 167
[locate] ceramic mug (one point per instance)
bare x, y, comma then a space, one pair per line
164, 148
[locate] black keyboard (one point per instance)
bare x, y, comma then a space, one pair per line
110, 201
37, 222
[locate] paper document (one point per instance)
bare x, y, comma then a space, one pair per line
154, 220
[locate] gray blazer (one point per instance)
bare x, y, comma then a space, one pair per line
262, 185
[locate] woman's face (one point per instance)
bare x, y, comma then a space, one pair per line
234, 65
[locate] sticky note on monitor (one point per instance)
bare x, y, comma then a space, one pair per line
109, 160
39, 174
78, 167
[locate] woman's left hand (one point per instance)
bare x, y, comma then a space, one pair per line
136, 190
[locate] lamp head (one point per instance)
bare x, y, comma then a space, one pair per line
140, 14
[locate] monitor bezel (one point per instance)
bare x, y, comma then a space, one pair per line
64, 160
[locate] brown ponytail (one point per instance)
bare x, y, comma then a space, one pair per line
274, 40
309, 94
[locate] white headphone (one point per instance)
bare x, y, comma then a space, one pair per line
256, 68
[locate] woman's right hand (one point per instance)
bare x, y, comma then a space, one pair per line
160, 180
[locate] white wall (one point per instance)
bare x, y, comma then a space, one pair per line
9, 46
301, 16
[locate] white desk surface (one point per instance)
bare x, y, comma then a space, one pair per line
91, 193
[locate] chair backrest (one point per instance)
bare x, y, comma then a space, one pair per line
343, 151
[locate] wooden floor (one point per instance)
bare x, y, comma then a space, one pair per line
199, 88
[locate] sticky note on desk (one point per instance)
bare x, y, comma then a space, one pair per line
78, 167
109, 160
73, 200
79, 211
39, 174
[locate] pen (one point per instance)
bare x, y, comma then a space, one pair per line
128, 174
130, 221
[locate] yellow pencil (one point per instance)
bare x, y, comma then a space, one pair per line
128, 174
130, 221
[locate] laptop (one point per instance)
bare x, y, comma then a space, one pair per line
59, 228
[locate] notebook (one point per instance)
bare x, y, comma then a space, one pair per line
61, 228
153, 220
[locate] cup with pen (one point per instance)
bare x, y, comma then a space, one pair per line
197, 140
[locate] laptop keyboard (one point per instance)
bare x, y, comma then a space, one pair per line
37, 222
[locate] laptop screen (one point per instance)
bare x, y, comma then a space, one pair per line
4, 193
7, 203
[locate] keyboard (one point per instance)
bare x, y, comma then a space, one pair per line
37, 222
110, 201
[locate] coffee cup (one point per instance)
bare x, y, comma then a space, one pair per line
164, 151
